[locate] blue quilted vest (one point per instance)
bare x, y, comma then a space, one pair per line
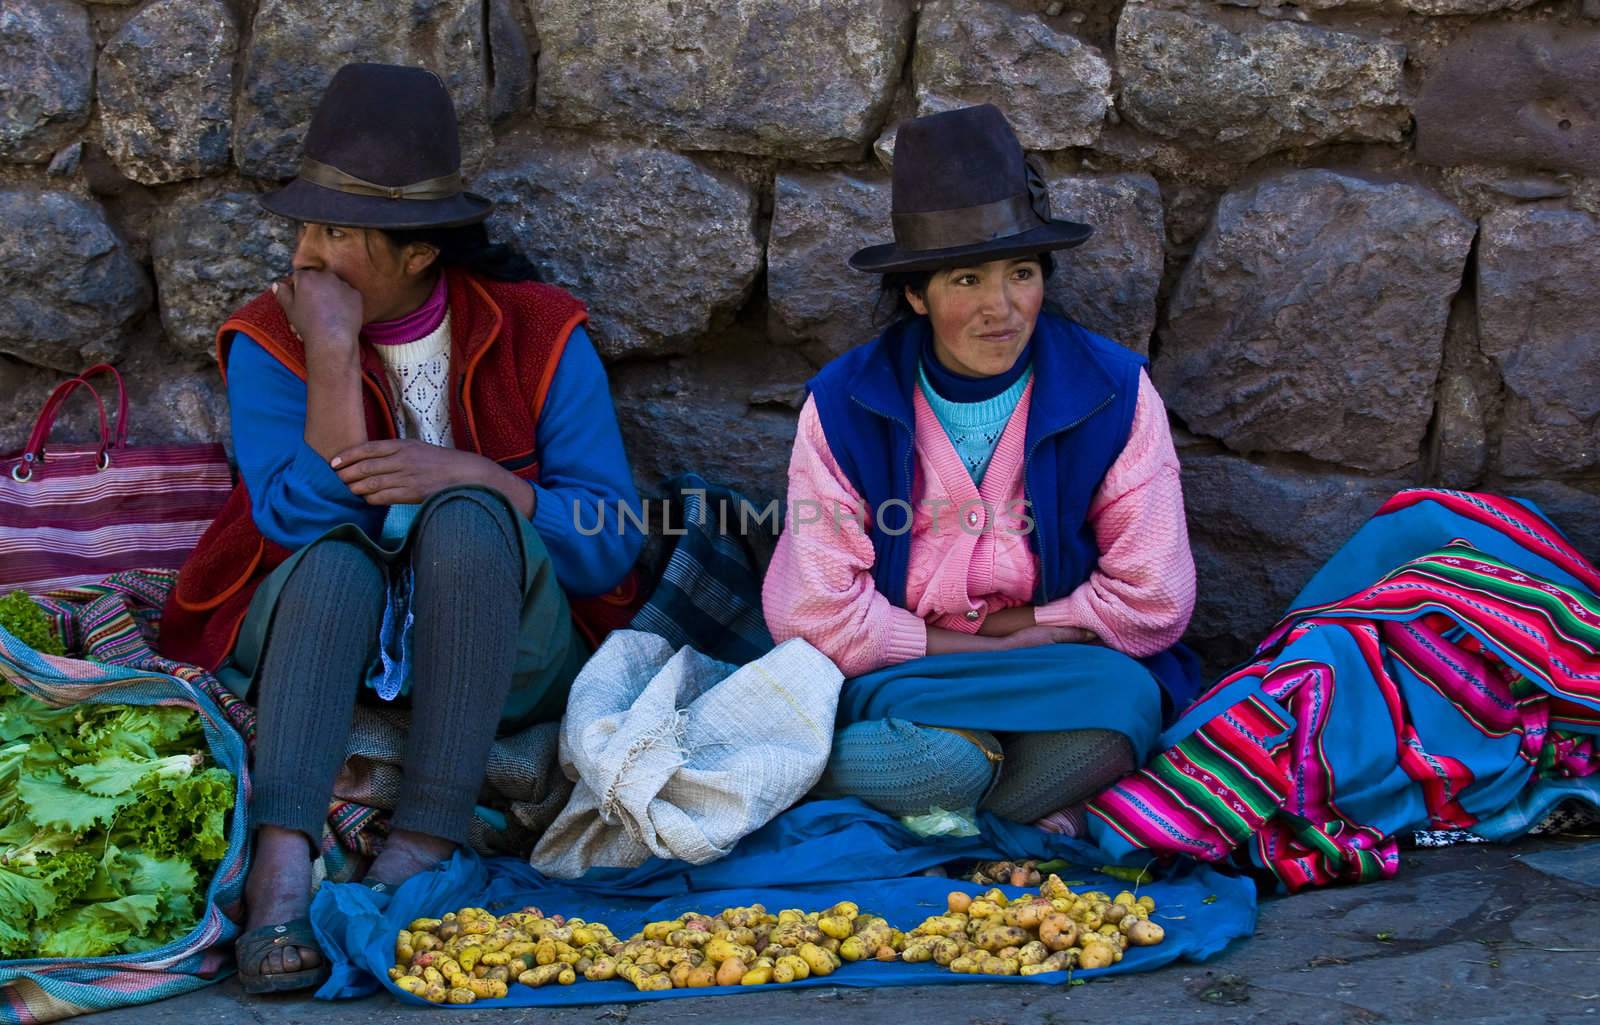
1084, 394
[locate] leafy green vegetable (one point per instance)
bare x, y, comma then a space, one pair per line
28, 623
119, 774
95, 930
58, 806
186, 817
110, 826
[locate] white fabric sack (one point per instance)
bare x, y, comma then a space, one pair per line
677, 755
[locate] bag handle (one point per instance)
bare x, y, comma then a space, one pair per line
121, 439
33, 451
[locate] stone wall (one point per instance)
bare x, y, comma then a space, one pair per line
1360, 239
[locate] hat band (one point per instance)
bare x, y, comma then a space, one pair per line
330, 177
965, 226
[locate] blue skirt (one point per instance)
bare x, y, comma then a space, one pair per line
1042, 689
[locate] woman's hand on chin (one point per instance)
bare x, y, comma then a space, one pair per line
323, 310
407, 471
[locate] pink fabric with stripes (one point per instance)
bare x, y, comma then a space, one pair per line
71, 522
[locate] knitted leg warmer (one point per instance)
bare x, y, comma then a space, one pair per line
1047, 771
467, 604
905, 769
323, 631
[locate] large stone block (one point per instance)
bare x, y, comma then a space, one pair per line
1259, 534
165, 85
46, 63
1246, 94
179, 405
68, 287
818, 219
213, 254
1527, 95
296, 47
1311, 318
711, 413
1054, 88
1539, 320
655, 242
1109, 283
802, 79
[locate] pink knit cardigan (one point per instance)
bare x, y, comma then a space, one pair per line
969, 553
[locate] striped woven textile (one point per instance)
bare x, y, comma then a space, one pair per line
1441, 672
709, 591
72, 522
111, 626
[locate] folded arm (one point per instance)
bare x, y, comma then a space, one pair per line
1141, 594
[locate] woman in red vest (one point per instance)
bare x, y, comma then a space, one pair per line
420, 427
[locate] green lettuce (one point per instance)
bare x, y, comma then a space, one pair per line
111, 825
22, 617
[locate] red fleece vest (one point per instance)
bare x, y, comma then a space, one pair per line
506, 340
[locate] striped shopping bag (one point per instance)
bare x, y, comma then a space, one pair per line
74, 514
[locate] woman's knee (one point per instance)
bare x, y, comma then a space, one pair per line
335, 572
908, 769
466, 533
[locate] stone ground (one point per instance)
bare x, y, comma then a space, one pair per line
1466, 935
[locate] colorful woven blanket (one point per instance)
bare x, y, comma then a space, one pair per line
1442, 671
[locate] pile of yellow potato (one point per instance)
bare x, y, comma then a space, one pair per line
471, 954
1055, 931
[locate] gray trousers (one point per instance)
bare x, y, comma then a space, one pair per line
464, 557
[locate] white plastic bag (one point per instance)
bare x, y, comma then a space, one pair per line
677, 755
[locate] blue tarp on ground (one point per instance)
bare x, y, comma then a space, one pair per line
810, 857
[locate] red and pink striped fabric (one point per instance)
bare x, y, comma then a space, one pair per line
73, 515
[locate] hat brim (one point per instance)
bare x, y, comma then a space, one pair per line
1052, 235
301, 200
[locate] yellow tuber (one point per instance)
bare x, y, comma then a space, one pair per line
1142, 932
730, 972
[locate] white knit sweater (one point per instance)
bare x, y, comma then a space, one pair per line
419, 381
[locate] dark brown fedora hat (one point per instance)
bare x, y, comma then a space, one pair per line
382, 151
964, 191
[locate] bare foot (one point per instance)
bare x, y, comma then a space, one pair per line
279, 890
406, 853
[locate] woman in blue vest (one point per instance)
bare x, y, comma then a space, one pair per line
985, 524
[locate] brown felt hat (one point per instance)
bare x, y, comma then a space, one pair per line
383, 151
965, 192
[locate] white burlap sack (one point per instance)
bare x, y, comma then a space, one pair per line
678, 755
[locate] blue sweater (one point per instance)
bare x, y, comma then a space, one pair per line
974, 427
295, 497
